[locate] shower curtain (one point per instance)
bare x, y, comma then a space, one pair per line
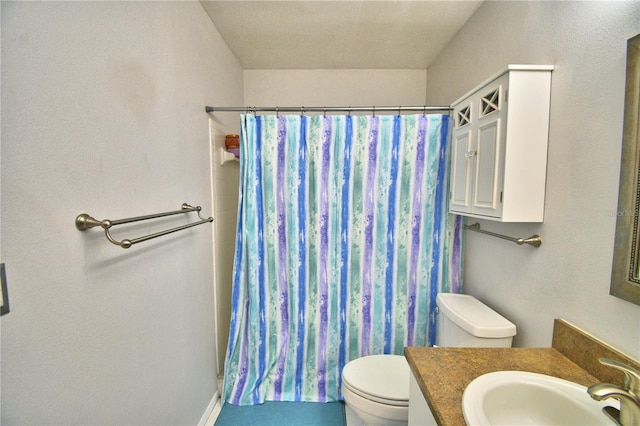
343, 242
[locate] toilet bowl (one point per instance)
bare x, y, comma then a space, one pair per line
376, 387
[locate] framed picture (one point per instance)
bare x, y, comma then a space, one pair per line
625, 273
4, 300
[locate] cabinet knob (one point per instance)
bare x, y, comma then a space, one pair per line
470, 154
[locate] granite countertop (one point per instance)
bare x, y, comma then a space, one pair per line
444, 373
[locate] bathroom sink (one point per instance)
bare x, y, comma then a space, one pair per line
523, 398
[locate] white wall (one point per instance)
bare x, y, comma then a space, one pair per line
103, 112
320, 88
568, 277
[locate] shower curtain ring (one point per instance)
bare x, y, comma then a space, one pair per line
424, 111
301, 111
324, 111
374, 110
399, 109
277, 113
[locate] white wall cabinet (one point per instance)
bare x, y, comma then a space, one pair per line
499, 146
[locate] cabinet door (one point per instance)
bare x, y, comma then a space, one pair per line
461, 172
462, 164
486, 196
419, 411
477, 167
489, 148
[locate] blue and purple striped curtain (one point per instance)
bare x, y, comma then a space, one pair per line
343, 242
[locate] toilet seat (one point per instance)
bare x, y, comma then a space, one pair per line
380, 378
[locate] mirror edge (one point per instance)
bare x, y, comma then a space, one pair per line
625, 282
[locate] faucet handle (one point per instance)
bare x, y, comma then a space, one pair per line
631, 375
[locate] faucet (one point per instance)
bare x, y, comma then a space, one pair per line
628, 395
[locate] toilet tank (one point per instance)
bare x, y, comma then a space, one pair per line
464, 321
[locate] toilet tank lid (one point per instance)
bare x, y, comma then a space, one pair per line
474, 317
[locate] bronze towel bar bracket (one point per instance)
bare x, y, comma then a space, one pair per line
534, 240
84, 222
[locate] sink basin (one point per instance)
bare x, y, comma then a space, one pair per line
523, 398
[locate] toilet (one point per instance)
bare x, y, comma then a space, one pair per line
376, 387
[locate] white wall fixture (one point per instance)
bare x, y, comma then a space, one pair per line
227, 157
225, 178
499, 146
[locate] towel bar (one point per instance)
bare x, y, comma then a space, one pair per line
534, 240
85, 221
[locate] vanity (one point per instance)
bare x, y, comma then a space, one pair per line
440, 375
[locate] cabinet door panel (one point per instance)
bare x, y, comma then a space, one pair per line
488, 152
461, 173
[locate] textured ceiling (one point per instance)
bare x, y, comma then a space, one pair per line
344, 34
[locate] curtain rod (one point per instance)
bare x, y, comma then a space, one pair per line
349, 109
